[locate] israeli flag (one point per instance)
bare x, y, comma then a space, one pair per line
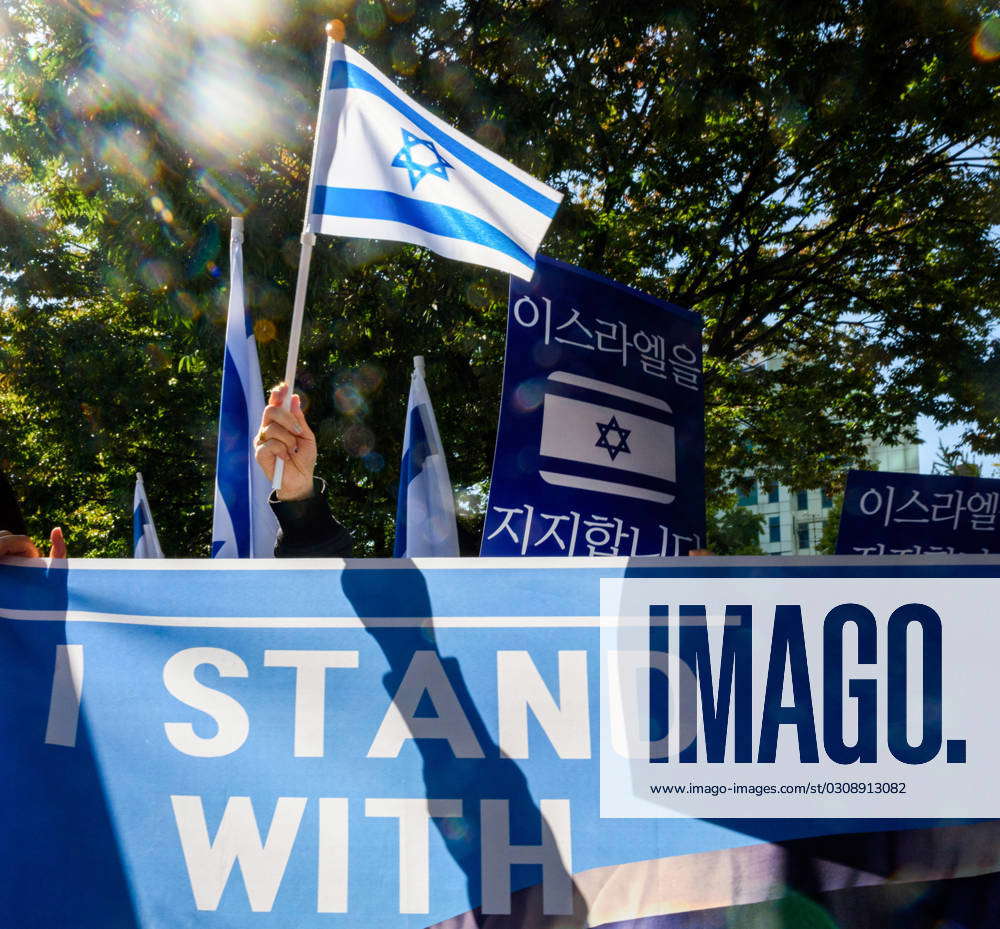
606, 438
243, 525
425, 513
145, 544
386, 168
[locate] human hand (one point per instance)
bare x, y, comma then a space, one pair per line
22, 547
285, 434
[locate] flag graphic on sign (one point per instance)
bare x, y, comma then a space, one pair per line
386, 168
606, 438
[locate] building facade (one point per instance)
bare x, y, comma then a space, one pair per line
793, 520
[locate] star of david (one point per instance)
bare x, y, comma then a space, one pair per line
621, 445
419, 169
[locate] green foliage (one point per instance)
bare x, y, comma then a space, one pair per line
735, 531
954, 461
819, 180
827, 544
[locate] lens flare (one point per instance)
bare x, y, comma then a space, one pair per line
129, 152
404, 56
231, 192
358, 440
546, 356
226, 107
370, 18
205, 249
400, 10
348, 400
264, 331
369, 378
374, 462
528, 395
188, 304
157, 274
455, 829
986, 41
240, 18
491, 135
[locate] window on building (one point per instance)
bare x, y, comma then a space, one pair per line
772, 493
774, 529
749, 498
826, 500
804, 537
802, 500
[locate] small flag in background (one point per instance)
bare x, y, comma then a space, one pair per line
386, 168
425, 514
145, 544
243, 525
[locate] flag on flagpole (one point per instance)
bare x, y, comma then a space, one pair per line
425, 513
386, 168
243, 525
145, 544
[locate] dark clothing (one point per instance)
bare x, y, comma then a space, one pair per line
10, 514
308, 528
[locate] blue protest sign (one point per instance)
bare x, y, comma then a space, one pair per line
600, 448
374, 745
886, 513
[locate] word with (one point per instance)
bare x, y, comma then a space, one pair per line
263, 864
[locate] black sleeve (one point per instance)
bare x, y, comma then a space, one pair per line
10, 513
308, 528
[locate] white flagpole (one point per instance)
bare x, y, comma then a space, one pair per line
307, 240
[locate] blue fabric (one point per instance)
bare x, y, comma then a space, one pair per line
233, 457
434, 218
344, 75
414, 456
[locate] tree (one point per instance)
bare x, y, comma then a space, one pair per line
735, 531
827, 544
953, 460
819, 181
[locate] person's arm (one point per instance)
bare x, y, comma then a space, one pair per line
308, 528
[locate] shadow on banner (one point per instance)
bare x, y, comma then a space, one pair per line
34, 805
377, 594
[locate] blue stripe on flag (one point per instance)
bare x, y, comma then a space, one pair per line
344, 75
434, 218
138, 525
414, 456
232, 463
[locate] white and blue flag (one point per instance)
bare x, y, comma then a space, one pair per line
243, 525
425, 513
145, 544
386, 168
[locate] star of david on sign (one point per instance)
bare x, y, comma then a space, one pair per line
413, 156
621, 445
